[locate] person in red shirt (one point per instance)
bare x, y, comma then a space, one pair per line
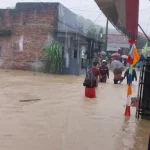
95, 71
104, 72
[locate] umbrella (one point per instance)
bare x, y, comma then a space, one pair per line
123, 14
124, 56
103, 53
115, 55
116, 65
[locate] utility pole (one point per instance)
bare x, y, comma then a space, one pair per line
91, 52
149, 143
145, 34
106, 36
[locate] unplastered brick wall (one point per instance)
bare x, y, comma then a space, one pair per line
30, 24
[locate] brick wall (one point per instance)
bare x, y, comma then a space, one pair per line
30, 24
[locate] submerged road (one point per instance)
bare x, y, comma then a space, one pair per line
46, 112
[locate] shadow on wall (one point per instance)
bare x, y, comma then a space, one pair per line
38, 66
1, 62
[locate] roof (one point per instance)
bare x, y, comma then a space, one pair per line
77, 33
117, 38
112, 49
35, 5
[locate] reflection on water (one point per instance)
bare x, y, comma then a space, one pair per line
63, 119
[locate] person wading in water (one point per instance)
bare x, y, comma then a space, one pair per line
134, 75
117, 68
104, 72
118, 76
91, 79
96, 72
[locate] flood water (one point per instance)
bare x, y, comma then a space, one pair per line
47, 112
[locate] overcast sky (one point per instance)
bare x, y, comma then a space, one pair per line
89, 9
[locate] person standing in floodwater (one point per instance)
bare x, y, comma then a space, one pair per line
118, 76
95, 71
125, 62
104, 72
134, 75
117, 68
139, 65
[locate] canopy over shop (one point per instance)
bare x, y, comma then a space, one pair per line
123, 14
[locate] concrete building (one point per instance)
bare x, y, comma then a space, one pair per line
27, 28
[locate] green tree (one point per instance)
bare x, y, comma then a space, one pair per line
54, 58
92, 33
141, 42
101, 35
95, 34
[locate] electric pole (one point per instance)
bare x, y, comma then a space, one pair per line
106, 36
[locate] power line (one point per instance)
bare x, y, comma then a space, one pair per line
94, 22
148, 25
89, 1
90, 10
72, 8
80, 10
80, 14
75, 29
144, 9
83, 10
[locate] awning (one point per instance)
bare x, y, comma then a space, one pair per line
123, 14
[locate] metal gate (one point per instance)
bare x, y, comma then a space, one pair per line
143, 100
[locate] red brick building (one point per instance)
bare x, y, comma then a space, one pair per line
30, 26
24, 31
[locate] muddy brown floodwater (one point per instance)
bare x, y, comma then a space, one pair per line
47, 112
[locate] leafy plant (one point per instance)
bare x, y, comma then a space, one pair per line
95, 34
54, 58
141, 42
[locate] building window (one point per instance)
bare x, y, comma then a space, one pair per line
75, 55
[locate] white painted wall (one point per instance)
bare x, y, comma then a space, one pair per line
21, 42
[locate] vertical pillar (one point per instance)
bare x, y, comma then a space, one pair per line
149, 143
106, 36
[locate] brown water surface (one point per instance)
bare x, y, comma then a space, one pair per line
50, 112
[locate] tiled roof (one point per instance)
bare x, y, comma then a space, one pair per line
120, 39
117, 38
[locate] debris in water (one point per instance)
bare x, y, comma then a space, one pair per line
30, 100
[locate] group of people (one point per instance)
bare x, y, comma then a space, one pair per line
96, 74
100, 73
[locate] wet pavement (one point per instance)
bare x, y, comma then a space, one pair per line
61, 118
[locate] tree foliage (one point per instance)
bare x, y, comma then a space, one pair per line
54, 58
95, 34
141, 42
86, 23
92, 33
